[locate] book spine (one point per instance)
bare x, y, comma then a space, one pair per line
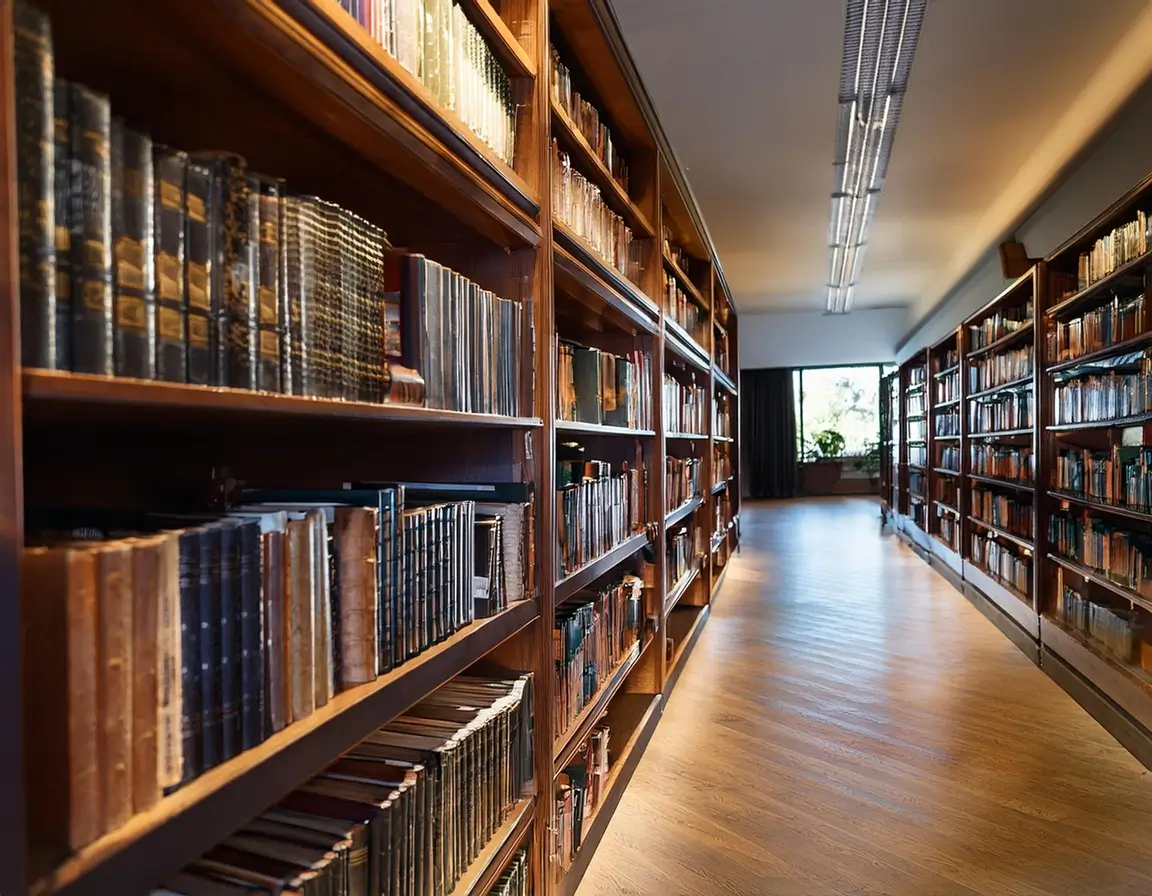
91, 221
276, 640
35, 176
114, 695
252, 730
357, 534
270, 324
236, 322
211, 699
231, 673
322, 626
170, 171
63, 210
199, 295
302, 615
132, 253
169, 767
191, 695
145, 660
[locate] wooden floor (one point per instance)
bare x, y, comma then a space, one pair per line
849, 724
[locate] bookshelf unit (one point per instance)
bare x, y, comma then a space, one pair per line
313, 97
914, 428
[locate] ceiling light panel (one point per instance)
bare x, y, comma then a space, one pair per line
880, 38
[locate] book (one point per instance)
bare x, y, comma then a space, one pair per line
114, 683
685, 406
170, 169
62, 207
147, 561
201, 298
270, 325
596, 510
134, 298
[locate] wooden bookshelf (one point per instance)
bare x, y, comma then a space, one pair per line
310, 96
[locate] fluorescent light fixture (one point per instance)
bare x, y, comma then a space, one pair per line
880, 39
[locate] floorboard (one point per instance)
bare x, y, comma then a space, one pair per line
850, 724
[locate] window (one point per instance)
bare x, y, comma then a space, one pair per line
845, 400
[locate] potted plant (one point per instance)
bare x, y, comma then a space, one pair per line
821, 470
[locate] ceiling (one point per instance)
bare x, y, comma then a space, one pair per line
1002, 95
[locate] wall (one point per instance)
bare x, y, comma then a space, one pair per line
1116, 163
815, 339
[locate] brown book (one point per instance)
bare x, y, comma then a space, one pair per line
146, 561
300, 561
169, 739
61, 718
114, 681
276, 617
357, 531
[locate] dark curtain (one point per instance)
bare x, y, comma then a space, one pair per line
768, 432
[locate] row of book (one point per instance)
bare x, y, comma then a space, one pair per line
1008, 462
721, 461
720, 346
1120, 555
948, 458
596, 510
683, 310
201, 635
918, 515
1014, 410
1104, 397
1120, 246
516, 879
593, 633
685, 407
948, 387
587, 119
948, 528
1116, 630
917, 376
1008, 513
404, 813
682, 259
1121, 476
999, 325
685, 547
595, 386
918, 455
917, 430
682, 480
916, 480
1002, 562
721, 514
947, 490
947, 423
438, 45
915, 404
579, 203
722, 415
950, 359
1117, 321
990, 371
579, 790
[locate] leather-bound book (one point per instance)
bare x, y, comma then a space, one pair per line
357, 539
276, 629
292, 299
91, 196
62, 149
62, 729
114, 681
301, 560
211, 695
132, 253
270, 326
146, 562
322, 664
199, 297
231, 671
191, 692
169, 744
170, 172
252, 623
35, 177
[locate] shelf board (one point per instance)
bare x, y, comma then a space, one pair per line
681, 588
601, 429
1017, 540
186, 824
684, 346
501, 39
719, 487
1001, 434
943, 405
99, 396
589, 164
592, 570
1103, 285
947, 507
717, 540
723, 439
481, 875
723, 380
689, 287
953, 369
568, 744
685, 435
1102, 580
682, 512
1020, 383
1004, 341
1119, 423
1007, 483
919, 467
595, 283
578, 247
1103, 506
912, 417
914, 388
945, 472
938, 438
1119, 348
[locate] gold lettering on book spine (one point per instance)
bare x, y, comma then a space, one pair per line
171, 195
268, 310
198, 331
129, 263
198, 296
97, 295
197, 210
168, 277
170, 325
269, 344
130, 314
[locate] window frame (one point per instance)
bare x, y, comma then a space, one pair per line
798, 379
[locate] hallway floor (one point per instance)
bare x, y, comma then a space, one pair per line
850, 724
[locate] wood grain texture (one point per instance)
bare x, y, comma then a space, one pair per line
849, 724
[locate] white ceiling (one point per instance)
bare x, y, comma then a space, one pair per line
1002, 95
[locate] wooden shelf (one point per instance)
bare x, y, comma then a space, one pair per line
953, 369
1103, 506
723, 380
723, 439
688, 286
1119, 423
947, 507
591, 571
601, 429
719, 487
1017, 540
919, 467
682, 512
944, 405
587, 284
568, 744
186, 824
501, 39
577, 248
677, 340
1004, 341
685, 435
1001, 434
681, 588
486, 869
1119, 348
937, 438
1013, 385
1101, 286
589, 164
1007, 483
1098, 578
945, 472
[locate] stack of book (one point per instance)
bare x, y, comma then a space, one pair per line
599, 387
1118, 321
996, 370
999, 325
720, 347
593, 634
916, 480
917, 376
1125, 243
1004, 512
579, 790
1013, 410
516, 879
1120, 555
915, 404
679, 257
596, 510
405, 812
685, 407
947, 423
1086, 473
948, 386
681, 480
1003, 462
722, 420
721, 514
949, 458
918, 455
578, 203
685, 547
721, 461
917, 430
587, 119
949, 528
1114, 629
1001, 562
682, 308
436, 43
1102, 397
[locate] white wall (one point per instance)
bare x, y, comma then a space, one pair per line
813, 339
1120, 160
